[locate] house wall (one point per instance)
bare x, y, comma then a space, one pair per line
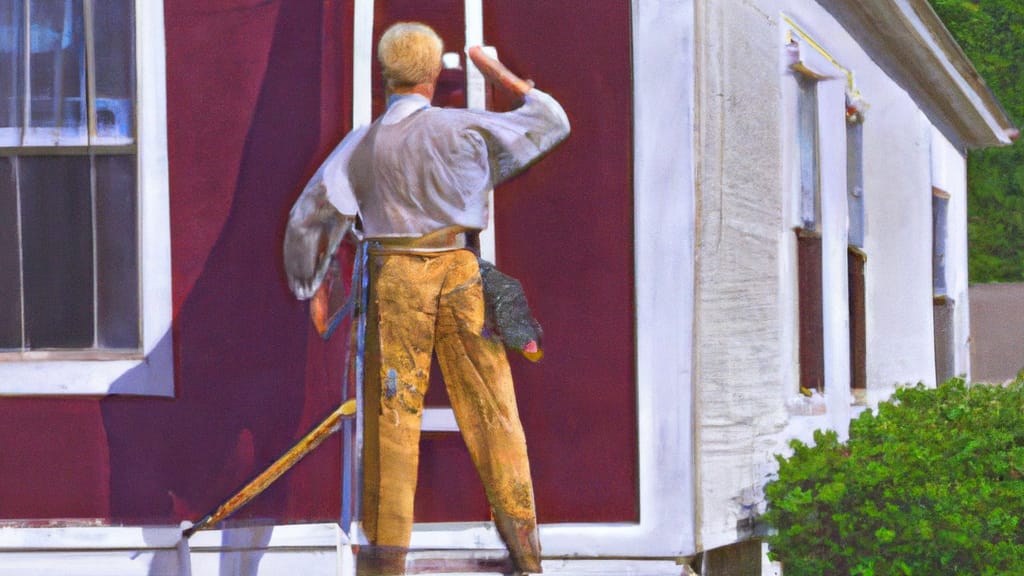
739, 332
256, 97
898, 240
949, 173
747, 377
245, 79
566, 229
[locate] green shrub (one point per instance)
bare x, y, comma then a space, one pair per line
930, 484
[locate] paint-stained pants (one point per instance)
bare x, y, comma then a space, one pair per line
418, 304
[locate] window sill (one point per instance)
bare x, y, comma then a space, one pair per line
860, 397
813, 405
152, 375
69, 355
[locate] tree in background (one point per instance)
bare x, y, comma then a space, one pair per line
991, 32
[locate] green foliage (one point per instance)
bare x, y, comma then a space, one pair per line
933, 483
991, 32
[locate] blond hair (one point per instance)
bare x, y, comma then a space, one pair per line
410, 54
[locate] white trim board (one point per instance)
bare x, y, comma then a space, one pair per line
313, 549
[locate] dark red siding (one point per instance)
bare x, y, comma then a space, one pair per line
565, 228
258, 93
53, 460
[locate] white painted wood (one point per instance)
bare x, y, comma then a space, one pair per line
362, 63
746, 401
909, 41
476, 98
108, 563
297, 562
283, 536
273, 563
476, 94
439, 420
832, 86
949, 173
314, 549
636, 567
105, 550
739, 376
154, 375
898, 206
834, 242
664, 227
14, 538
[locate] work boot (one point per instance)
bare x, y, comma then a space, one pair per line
522, 540
380, 561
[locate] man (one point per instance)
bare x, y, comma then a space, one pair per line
418, 179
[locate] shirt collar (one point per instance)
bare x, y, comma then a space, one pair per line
400, 106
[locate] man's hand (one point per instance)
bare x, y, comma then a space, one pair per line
497, 72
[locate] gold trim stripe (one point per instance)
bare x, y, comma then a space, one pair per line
795, 28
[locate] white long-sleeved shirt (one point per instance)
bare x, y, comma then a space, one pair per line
418, 169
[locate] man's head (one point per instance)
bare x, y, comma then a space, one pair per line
410, 54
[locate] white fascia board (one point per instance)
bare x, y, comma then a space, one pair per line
961, 72
908, 40
105, 538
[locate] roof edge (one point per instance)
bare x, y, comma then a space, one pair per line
911, 44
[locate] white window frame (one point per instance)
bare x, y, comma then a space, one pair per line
805, 56
151, 372
949, 173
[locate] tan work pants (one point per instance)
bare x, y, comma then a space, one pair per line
434, 302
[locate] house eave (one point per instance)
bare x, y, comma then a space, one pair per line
909, 41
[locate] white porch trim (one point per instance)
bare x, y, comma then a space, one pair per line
307, 549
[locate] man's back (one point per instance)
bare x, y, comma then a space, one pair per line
422, 172
419, 169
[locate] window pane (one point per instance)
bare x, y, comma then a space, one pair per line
11, 68
940, 207
58, 255
10, 269
114, 47
807, 110
943, 310
855, 182
117, 262
810, 300
58, 69
858, 319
